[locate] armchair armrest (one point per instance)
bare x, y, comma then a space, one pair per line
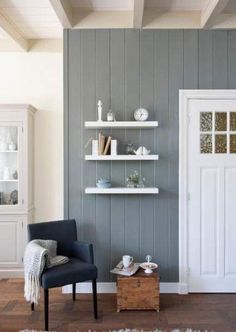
83, 251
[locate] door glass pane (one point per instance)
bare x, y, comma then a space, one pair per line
220, 143
220, 121
232, 143
9, 165
206, 121
233, 121
206, 143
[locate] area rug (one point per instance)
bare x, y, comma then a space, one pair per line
132, 330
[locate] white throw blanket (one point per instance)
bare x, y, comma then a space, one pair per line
39, 254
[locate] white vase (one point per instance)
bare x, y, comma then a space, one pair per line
12, 146
6, 173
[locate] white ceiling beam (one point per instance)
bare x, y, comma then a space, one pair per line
35, 45
211, 12
63, 11
138, 8
11, 31
154, 19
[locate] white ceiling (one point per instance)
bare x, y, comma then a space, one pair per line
127, 5
3, 35
231, 7
176, 4
34, 18
103, 4
45, 19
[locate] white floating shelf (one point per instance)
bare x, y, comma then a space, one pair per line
13, 180
123, 157
124, 190
121, 124
8, 151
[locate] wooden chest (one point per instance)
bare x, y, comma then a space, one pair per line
138, 292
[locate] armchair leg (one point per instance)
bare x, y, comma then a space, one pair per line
94, 284
32, 306
73, 291
46, 309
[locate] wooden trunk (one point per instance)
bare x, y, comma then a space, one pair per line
138, 292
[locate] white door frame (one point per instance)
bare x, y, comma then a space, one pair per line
184, 97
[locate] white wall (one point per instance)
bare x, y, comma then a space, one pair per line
37, 79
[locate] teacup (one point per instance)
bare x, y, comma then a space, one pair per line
127, 261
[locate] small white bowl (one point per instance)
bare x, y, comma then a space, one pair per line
148, 267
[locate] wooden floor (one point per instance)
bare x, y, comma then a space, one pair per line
212, 312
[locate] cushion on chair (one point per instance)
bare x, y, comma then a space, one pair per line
73, 271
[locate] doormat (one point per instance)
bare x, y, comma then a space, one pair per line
130, 330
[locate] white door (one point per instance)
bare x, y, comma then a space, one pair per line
211, 169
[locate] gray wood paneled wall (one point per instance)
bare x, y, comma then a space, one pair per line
128, 68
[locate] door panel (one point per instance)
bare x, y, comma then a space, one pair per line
11, 241
212, 195
208, 220
230, 221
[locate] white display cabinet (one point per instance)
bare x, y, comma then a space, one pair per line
16, 185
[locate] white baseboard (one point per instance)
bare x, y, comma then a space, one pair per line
110, 287
169, 287
102, 287
5, 274
183, 288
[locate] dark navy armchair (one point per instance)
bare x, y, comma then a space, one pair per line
80, 266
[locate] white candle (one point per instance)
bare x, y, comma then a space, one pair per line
99, 110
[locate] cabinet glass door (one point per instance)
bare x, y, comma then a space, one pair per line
9, 165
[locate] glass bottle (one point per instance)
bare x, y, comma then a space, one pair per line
110, 116
129, 149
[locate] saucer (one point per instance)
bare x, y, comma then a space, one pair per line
130, 267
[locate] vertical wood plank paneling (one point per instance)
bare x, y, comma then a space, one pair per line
161, 93
87, 106
205, 59
117, 168
191, 59
175, 83
231, 59
75, 132
66, 47
103, 202
147, 139
132, 101
220, 57
129, 68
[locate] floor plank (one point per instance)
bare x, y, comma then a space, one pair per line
212, 312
